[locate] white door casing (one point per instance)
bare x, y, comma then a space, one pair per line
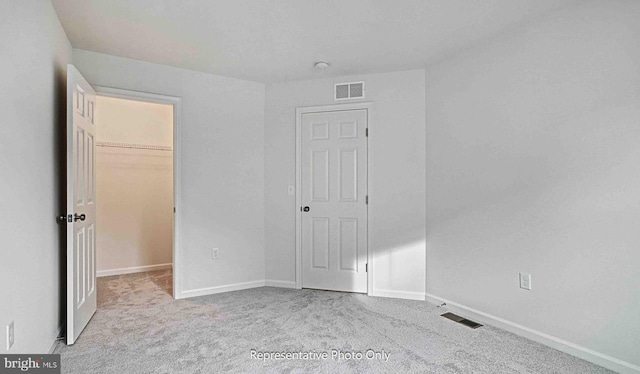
176, 102
81, 204
333, 173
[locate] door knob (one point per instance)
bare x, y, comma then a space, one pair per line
78, 217
306, 209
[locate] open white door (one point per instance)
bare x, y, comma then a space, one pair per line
81, 204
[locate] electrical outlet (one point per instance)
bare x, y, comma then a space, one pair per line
215, 253
291, 190
10, 336
525, 281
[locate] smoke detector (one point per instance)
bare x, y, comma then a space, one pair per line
321, 65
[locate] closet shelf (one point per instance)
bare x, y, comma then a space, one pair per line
134, 146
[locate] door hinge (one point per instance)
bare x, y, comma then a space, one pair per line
174, 209
366, 199
366, 268
366, 132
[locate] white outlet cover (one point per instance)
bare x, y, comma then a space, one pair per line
10, 335
525, 281
215, 253
291, 190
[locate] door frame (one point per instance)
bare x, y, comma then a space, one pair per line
368, 106
176, 102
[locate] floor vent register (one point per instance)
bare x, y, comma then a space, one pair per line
461, 320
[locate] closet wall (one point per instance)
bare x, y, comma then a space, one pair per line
134, 172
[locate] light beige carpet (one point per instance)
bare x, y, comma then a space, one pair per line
139, 328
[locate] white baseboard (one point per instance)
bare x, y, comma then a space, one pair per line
280, 284
53, 345
398, 294
131, 270
584, 353
221, 289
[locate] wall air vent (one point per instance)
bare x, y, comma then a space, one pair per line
348, 91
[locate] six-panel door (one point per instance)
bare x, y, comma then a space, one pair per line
334, 187
81, 204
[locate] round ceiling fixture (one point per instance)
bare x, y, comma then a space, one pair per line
321, 65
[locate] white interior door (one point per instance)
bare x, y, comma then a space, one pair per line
81, 204
334, 197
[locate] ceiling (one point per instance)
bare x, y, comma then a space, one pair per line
279, 40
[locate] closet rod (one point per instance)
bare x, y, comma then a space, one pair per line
134, 146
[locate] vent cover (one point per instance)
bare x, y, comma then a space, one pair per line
347, 91
461, 320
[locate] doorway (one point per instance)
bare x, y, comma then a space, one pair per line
137, 182
80, 217
332, 191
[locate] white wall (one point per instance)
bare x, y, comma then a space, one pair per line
136, 122
533, 165
396, 185
134, 187
222, 164
35, 51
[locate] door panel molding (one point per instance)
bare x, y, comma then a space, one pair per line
320, 251
344, 132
